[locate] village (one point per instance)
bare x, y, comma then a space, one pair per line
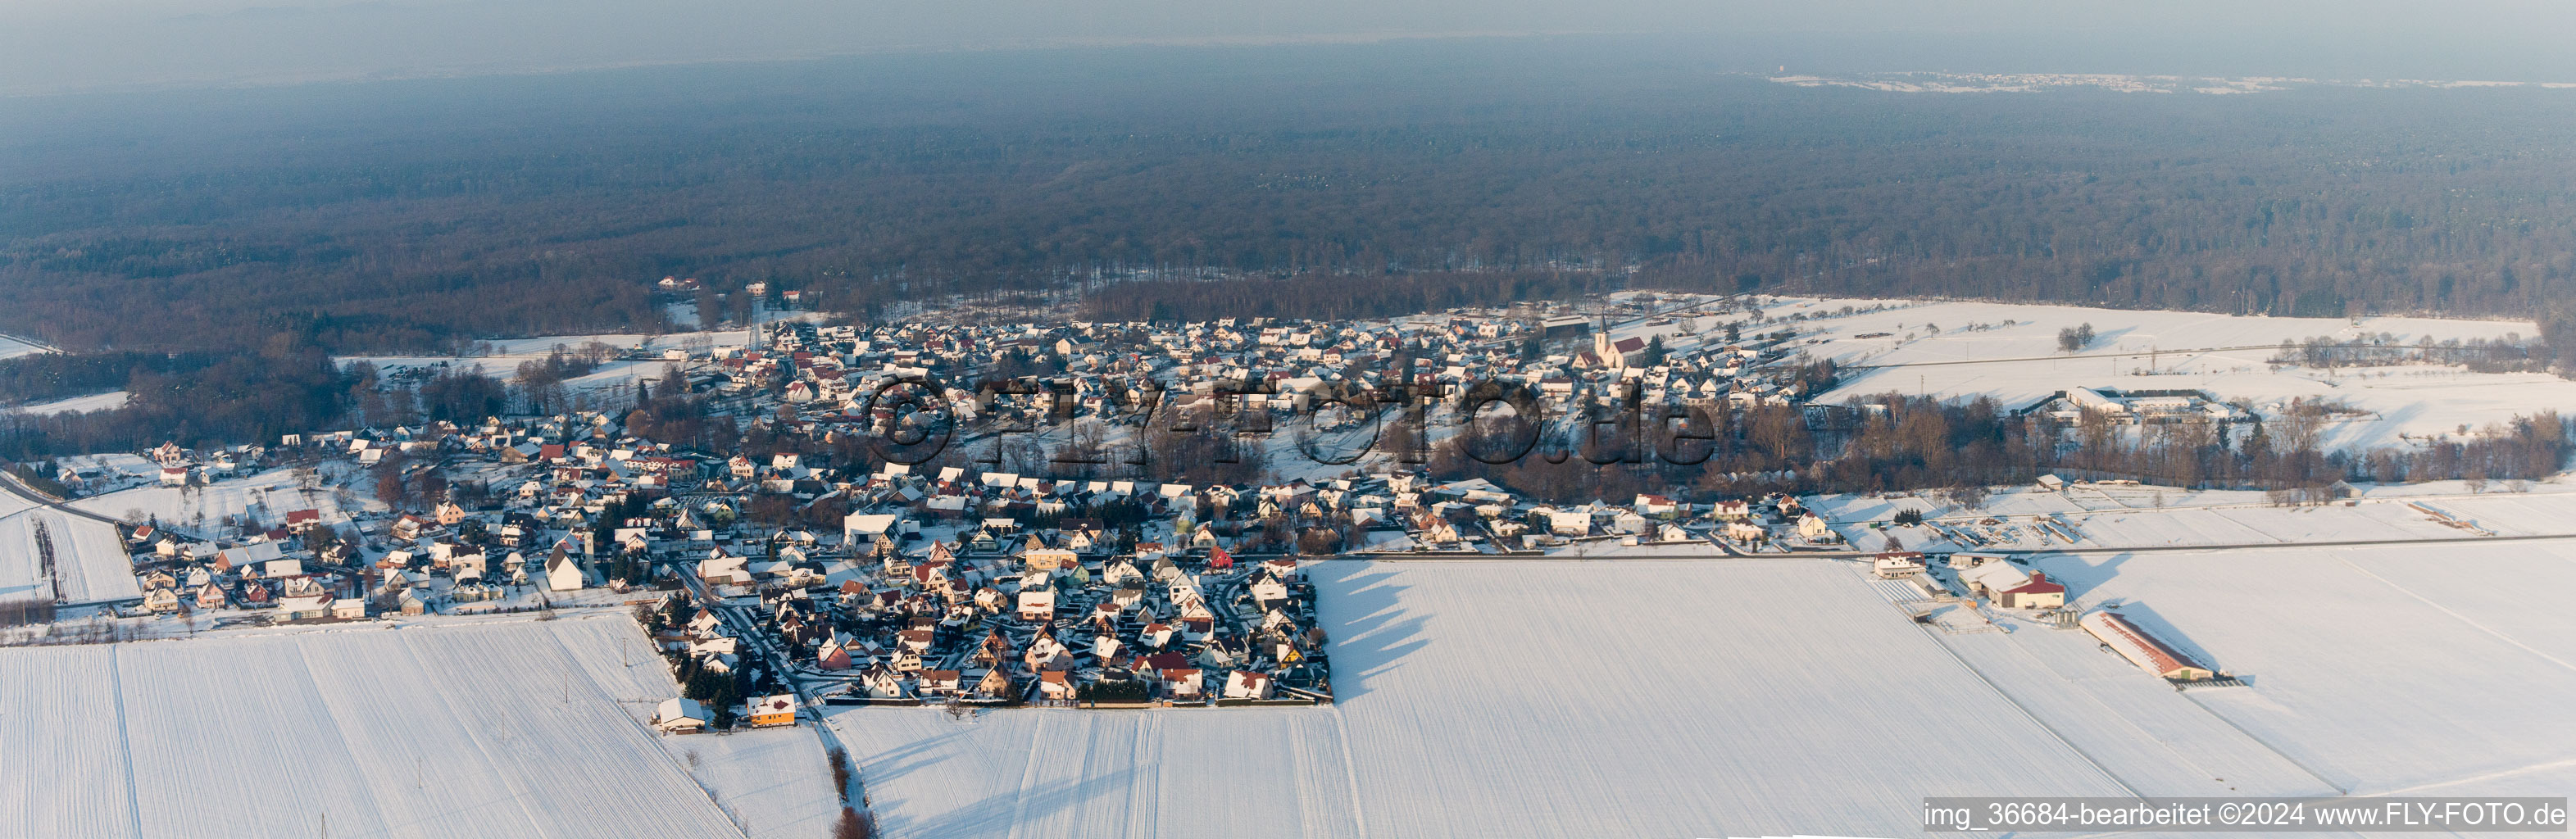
826, 532
876, 530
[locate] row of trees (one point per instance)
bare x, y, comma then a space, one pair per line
1910, 443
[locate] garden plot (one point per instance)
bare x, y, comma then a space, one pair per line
1482, 698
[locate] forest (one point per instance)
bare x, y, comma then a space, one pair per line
1311, 181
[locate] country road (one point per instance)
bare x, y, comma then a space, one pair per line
10, 482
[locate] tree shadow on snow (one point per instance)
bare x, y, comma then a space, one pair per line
997, 814
1364, 623
900, 761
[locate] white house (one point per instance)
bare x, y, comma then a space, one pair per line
680, 716
1246, 684
725, 569
563, 574
1037, 605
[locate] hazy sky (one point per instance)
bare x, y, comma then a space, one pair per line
59, 45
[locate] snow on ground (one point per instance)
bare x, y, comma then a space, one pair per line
495, 729
2114, 516
68, 770
92, 402
2381, 669
2148, 735
1488, 698
13, 347
22, 575
267, 496
2020, 364
1741, 696
90, 561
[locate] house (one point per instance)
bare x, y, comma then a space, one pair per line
881, 681
2038, 593
162, 599
2142, 649
864, 528
1051, 559
680, 716
995, 684
1267, 592
1052, 684
1246, 684
1813, 528
1575, 522
1037, 605
349, 608
722, 570
563, 574
2009, 588
768, 711
940, 682
299, 521
1895, 565
1182, 682
833, 656
304, 606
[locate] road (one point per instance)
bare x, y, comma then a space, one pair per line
11, 483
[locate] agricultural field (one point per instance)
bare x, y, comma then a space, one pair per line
495, 729
1487, 698
1482, 698
2382, 670
90, 563
1966, 349
2101, 516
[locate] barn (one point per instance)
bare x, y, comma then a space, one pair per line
2142, 649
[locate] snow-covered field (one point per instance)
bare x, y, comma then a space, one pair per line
92, 402
267, 496
2108, 516
519, 728
12, 347
90, 559
1744, 697
2383, 670
1734, 697
2021, 364
507, 353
